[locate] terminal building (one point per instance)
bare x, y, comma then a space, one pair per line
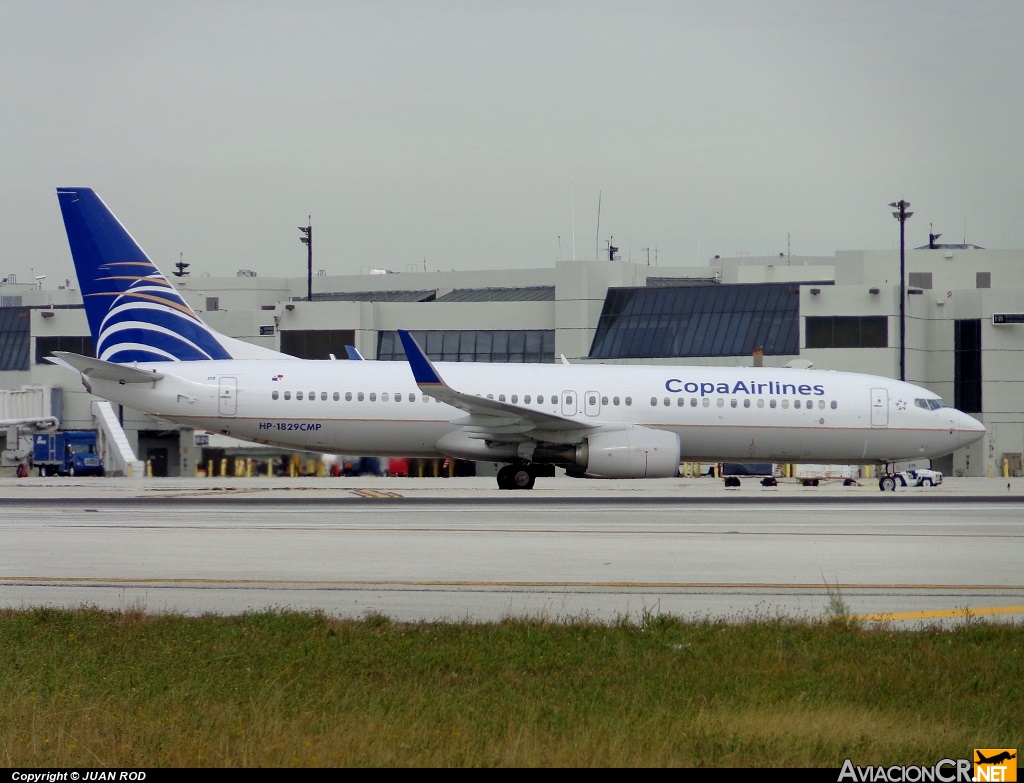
963, 326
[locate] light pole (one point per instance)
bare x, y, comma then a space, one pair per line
901, 215
307, 240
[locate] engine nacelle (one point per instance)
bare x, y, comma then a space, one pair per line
637, 452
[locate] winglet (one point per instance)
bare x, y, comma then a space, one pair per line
422, 369
353, 353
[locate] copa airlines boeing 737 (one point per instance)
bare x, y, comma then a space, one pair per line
154, 354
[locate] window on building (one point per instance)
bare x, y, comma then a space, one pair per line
503, 346
707, 320
920, 280
316, 343
847, 331
983, 280
75, 344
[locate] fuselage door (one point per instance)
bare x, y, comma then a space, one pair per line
879, 407
227, 400
568, 403
592, 403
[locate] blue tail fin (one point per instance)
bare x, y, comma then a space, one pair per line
134, 313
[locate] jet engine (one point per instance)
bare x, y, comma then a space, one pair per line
634, 452
637, 452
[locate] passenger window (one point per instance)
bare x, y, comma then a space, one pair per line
373, 396
540, 399
273, 395
604, 400
746, 403
384, 397
348, 396
706, 402
336, 396
785, 403
666, 402
398, 396
412, 397
515, 399
834, 405
693, 402
720, 403
772, 403
490, 396
298, 395
733, 403
760, 403
592, 399
680, 401
796, 403
821, 404
615, 400
526, 399
359, 397
629, 401
568, 400
312, 395
323, 395
288, 395
654, 400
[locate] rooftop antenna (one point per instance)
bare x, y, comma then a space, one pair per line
597, 235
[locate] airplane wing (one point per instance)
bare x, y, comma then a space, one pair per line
97, 368
490, 419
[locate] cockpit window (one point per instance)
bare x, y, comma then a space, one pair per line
931, 405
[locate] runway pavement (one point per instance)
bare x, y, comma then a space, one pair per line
428, 549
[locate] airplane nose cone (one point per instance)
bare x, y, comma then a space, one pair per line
971, 429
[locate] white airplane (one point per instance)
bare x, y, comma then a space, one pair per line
156, 355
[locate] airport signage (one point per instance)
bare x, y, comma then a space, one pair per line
1000, 319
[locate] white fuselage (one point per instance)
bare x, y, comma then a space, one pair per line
719, 413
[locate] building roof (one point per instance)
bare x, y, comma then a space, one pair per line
537, 293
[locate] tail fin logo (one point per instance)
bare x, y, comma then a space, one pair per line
146, 319
135, 314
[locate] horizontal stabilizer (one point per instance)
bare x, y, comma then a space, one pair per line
107, 371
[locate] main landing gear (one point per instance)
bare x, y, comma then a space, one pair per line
515, 477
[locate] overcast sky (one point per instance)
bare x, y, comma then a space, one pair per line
469, 133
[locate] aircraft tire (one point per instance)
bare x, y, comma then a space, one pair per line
521, 478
